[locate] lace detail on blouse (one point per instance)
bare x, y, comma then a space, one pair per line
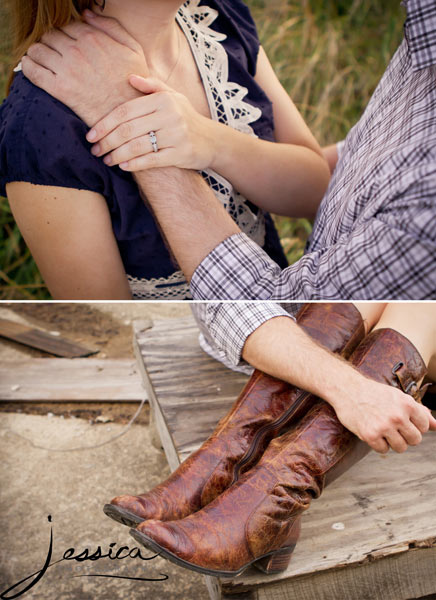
227, 105
174, 287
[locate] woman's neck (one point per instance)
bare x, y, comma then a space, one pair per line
152, 23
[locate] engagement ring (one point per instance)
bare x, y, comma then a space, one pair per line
153, 140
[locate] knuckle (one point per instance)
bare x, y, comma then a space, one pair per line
396, 420
121, 112
75, 53
137, 146
416, 441
126, 131
29, 69
410, 404
33, 50
379, 447
379, 431
425, 427
89, 37
371, 438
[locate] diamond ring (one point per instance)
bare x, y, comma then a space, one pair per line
153, 140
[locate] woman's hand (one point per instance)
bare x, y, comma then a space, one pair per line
185, 138
87, 65
383, 416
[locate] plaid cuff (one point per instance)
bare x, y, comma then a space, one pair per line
237, 269
230, 324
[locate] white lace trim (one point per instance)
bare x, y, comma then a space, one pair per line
174, 287
226, 104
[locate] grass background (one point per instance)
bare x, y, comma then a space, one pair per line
328, 55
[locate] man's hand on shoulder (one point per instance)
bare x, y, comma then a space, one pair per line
73, 65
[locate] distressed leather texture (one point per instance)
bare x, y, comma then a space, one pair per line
213, 467
259, 513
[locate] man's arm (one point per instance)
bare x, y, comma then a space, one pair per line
391, 255
191, 218
388, 256
373, 411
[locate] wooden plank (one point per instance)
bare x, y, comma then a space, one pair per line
189, 391
386, 504
66, 380
395, 577
43, 340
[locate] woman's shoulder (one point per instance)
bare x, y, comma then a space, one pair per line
26, 102
238, 12
43, 142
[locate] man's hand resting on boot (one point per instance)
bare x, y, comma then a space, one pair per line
380, 415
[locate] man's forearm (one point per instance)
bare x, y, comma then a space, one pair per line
282, 349
191, 218
379, 414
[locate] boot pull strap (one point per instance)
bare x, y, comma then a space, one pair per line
409, 385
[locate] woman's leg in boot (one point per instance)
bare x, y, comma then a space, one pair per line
417, 322
371, 313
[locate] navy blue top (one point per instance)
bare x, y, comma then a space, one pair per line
43, 142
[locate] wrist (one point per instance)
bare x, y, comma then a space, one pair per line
222, 144
342, 385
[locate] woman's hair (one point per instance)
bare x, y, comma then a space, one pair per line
33, 18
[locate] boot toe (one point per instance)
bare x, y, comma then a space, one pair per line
167, 536
138, 506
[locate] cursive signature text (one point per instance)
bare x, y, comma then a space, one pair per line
122, 553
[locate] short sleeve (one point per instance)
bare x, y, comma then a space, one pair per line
43, 142
235, 14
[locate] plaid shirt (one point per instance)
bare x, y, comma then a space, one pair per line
224, 327
375, 232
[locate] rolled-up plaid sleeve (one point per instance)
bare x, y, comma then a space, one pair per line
388, 255
229, 324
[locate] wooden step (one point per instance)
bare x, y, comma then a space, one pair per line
372, 534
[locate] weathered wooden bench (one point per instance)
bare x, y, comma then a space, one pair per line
372, 535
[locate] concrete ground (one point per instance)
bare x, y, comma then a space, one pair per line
40, 476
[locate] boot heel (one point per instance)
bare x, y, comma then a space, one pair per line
279, 561
276, 563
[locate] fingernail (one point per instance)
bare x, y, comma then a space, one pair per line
124, 166
95, 149
91, 135
107, 160
89, 13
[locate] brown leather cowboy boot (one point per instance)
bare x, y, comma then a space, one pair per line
265, 406
257, 520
